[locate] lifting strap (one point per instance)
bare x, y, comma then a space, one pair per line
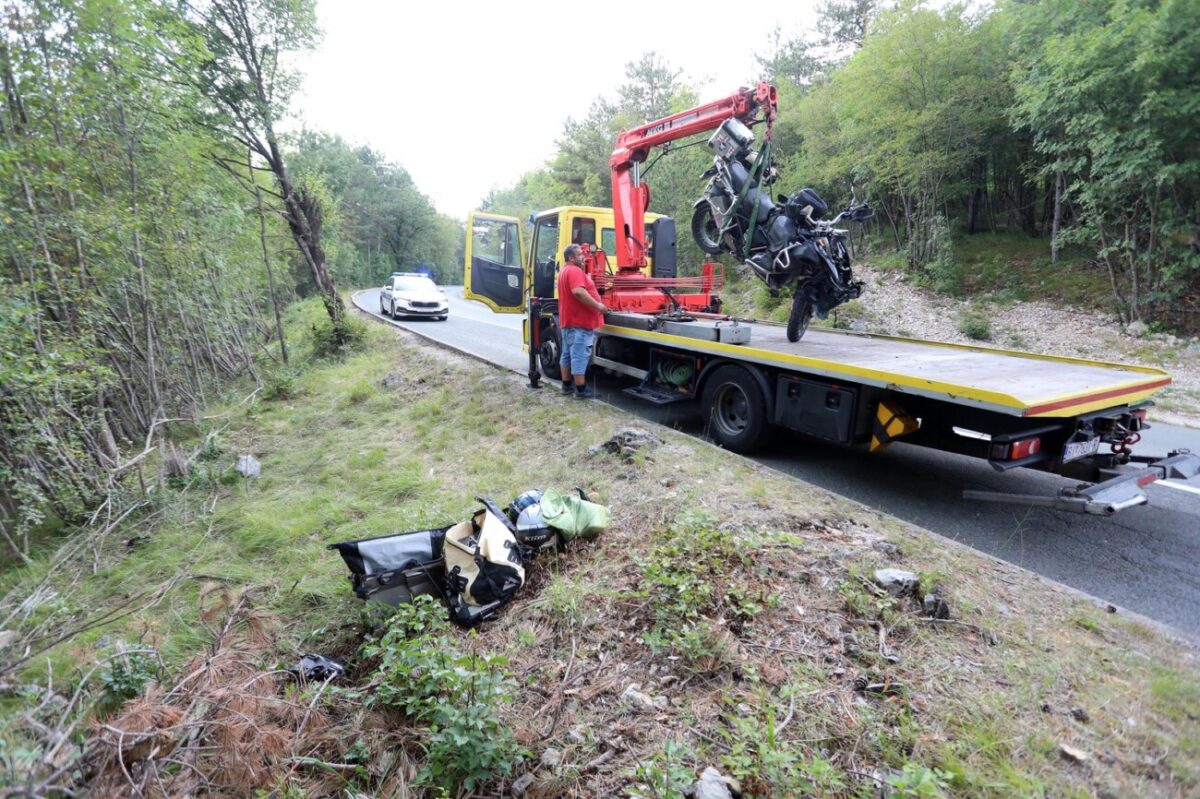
764, 157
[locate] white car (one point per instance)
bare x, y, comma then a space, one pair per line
412, 294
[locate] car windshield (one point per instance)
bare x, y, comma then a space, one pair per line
415, 284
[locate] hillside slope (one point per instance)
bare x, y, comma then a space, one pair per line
728, 618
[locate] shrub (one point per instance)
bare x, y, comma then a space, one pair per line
331, 341
423, 672
125, 678
975, 325
280, 385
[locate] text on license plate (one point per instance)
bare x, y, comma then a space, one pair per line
1080, 449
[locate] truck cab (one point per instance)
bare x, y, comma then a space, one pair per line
508, 277
501, 273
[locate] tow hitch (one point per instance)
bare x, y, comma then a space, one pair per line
1124, 489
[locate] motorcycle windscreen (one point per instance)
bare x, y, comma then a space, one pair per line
494, 271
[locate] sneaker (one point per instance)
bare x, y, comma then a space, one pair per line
587, 392
568, 388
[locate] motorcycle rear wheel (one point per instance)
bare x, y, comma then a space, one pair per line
705, 230
801, 315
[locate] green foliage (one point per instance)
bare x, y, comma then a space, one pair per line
338, 341
423, 671
918, 782
280, 384
131, 277
769, 765
667, 776
1108, 89
126, 677
383, 223
865, 600
975, 324
689, 576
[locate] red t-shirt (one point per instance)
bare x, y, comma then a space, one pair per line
572, 312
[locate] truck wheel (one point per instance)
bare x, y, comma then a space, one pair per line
735, 408
800, 316
548, 352
705, 230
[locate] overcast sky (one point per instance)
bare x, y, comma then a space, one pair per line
468, 96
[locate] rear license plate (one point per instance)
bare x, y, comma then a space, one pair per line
1075, 450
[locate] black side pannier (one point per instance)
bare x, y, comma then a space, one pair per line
395, 568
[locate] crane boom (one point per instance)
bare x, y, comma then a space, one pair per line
631, 197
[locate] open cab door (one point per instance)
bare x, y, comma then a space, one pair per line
494, 272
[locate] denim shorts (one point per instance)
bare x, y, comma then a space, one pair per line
576, 348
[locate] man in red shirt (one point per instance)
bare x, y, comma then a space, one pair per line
580, 312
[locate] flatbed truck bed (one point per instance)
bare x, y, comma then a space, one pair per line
1070, 416
1009, 382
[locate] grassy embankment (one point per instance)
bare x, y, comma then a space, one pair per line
738, 600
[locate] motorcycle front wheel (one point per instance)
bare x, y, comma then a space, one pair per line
705, 230
801, 315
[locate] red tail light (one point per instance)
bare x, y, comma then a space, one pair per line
1024, 448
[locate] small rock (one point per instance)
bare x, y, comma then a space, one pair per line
886, 547
634, 697
936, 607
576, 737
667, 482
248, 466
896, 582
1073, 754
521, 784
551, 757
392, 380
1137, 329
1002, 608
712, 785
7, 637
626, 443
1081, 715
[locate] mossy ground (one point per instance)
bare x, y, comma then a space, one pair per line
739, 600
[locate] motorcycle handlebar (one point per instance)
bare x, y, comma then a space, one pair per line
857, 213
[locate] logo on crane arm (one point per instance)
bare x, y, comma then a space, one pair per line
667, 124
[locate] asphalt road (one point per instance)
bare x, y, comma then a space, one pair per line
1145, 559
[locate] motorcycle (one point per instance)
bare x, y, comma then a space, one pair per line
790, 241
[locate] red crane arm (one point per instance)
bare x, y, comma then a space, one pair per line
631, 197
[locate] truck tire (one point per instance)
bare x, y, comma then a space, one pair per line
548, 352
801, 315
735, 408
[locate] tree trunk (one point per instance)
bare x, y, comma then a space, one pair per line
1056, 225
262, 237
